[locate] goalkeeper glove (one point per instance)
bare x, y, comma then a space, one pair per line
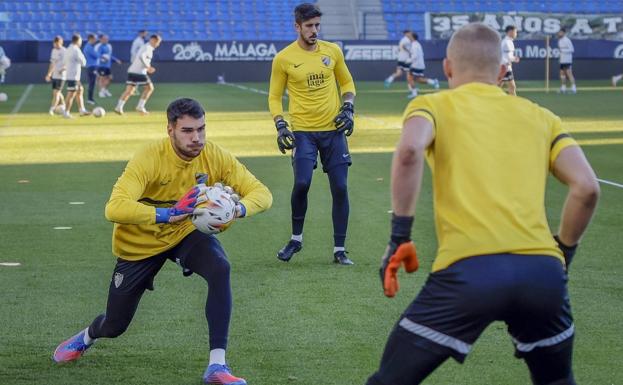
184, 207
400, 250
567, 251
344, 121
285, 138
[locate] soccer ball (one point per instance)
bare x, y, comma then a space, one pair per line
216, 214
3, 97
99, 112
60, 109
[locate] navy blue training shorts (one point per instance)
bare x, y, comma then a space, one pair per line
331, 145
527, 292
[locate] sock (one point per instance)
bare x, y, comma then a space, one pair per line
141, 103
336, 249
573, 87
414, 92
390, 79
120, 104
617, 78
298, 237
563, 88
87, 338
430, 82
217, 356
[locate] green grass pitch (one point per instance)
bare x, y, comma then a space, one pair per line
306, 322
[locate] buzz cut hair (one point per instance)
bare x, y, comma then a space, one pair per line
509, 28
184, 107
76, 38
155, 36
57, 39
306, 11
563, 29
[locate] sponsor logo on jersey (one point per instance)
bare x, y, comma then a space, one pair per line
315, 80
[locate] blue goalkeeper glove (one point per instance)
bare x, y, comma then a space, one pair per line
400, 250
567, 251
184, 207
285, 138
344, 121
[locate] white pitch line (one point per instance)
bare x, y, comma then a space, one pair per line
62, 228
611, 183
22, 99
10, 264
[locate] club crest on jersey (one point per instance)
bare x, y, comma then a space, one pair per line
118, 278
326, 60
201, 177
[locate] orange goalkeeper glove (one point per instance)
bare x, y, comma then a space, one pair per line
395, 256
400, 250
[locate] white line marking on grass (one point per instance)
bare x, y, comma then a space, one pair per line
62, 228
10, 264
76, 203
611, 183
22, 99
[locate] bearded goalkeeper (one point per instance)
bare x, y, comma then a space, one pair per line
321, 117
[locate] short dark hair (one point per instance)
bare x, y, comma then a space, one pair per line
91, 36
75, 38
184, 106
306, 11
415, 36
57, 38
509, 28
155, 36
563, 29
142, 30
406, 31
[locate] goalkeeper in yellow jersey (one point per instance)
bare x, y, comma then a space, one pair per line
150, 205
490, 155
320, 120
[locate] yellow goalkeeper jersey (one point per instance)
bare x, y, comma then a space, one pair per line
311, 79
490, 159
157, 177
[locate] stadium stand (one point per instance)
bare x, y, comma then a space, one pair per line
407, 14
174, 19
231, 19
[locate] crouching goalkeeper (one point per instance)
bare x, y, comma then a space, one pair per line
150, 205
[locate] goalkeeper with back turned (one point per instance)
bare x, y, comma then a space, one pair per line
150, 205
320, 121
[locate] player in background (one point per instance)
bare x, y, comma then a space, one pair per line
566, 61
74, 61
149, 206
5, 63
104, 62
92, 57
56, 74
496, 258
311, 70
404, 58
137, 43
616, 79
138, 75
508, 58
416, 71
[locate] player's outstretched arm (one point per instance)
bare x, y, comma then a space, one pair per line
407, 171
572, 168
